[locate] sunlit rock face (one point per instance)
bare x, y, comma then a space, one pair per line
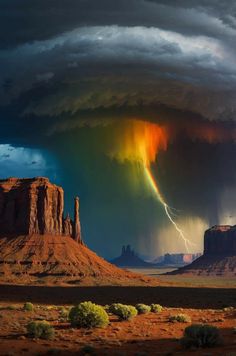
220, 240
30, 206
35, 206
39, 245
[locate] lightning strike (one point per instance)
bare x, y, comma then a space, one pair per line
141, 143
166, 208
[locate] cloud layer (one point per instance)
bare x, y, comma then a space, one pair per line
92, 56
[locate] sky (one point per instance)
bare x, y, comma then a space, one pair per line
130, 105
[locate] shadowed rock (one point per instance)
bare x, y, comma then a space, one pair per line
219, 258
129, 258
220, 240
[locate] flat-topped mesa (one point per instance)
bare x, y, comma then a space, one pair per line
35, 206
220, 240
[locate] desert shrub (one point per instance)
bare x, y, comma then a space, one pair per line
64, 313
198, 335
226, 309
40, 329
156, 308
106, 308
11, 307
51, 307
143, 308
88, 315
28, 306
124, 312
181, 318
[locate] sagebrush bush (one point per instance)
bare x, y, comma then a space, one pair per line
181, 318
143, 308
41, 330
28, 306
106, 308
64, 312
12, 307
51, 307
198, 335
88, 315
124, 312
156, 308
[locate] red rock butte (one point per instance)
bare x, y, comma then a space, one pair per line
219, 257
35, 206
38, 244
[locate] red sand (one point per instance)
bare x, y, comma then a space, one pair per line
150, 334
54, 259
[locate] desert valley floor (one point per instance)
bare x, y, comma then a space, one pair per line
149, 334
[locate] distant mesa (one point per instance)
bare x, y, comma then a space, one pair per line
129, 258
38, 244
219, 257
176, 259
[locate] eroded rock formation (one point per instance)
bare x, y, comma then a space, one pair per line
129, 258
76, 226
35, 206
219, 257
39, 245
220, 240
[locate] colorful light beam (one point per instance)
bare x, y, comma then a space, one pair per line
141, 142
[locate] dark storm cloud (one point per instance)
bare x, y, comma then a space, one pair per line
109, 66
27, 21
93, 55
204, 170
61, 58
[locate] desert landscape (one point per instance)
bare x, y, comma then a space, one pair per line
145, 334
47, 271
117, 177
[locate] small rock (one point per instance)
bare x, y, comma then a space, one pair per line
117, 328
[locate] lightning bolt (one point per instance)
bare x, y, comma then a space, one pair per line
139, 142
166, 207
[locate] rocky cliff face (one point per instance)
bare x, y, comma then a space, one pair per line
35, 206
38, 244
220, 240
219, 258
